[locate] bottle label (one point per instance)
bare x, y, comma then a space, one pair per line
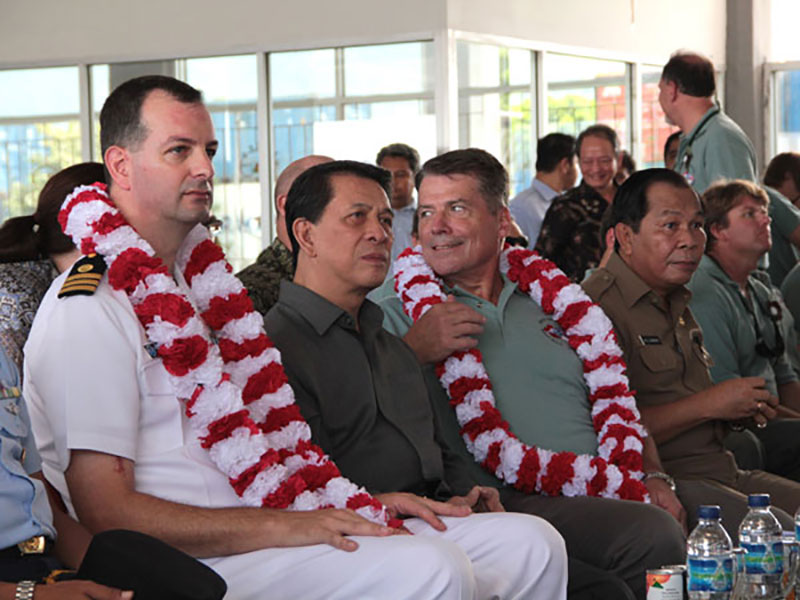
763, 559
710, 574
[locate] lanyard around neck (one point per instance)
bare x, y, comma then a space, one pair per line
687, 154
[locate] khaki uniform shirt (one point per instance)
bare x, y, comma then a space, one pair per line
663, 347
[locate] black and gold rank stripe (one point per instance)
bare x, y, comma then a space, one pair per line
84, 277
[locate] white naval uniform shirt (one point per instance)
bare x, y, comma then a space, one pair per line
91, 385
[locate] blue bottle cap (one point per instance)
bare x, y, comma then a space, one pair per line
758, 500
708, 511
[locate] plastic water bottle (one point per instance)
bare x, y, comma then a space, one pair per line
797, 525
710, 562
761, 535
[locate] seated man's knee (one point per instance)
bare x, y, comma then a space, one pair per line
436, 568
535, 535
662, 534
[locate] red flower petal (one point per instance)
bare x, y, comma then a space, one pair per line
184, 355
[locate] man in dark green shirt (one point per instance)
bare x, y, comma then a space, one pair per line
363, 392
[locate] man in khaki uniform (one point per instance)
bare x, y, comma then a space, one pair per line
658, 224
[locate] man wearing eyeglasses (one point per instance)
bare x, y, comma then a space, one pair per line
742, 318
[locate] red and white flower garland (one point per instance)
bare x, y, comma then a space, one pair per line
237, 396
617, 471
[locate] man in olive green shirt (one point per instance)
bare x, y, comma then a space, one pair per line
263, 278
658, 226
537, 379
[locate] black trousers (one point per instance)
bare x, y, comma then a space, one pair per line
611, 543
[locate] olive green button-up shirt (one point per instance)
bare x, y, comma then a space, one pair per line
663, 348
363, 394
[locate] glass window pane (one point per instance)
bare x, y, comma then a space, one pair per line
498, 121
519, 66
230, 88
39, 92
344, 126
306, 74
224, 79
39, 133
655, 129
500, 124
388, 69
368, 127
584, 91
787, 117
478, 65
293, 130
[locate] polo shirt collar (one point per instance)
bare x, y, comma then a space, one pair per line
710, 268
323, 314
633, 288
509, 287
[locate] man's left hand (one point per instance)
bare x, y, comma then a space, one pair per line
480, 499
661, 495
404, 504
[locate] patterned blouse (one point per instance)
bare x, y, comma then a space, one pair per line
22, 286
570, 235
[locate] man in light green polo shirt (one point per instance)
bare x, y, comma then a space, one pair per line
714, 147
537, 379
741, 317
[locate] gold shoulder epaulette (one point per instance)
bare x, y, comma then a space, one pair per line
84, 277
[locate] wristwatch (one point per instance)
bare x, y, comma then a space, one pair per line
25, 590
660, 475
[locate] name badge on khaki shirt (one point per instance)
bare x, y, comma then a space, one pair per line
650, 340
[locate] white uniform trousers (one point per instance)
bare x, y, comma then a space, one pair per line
483, 556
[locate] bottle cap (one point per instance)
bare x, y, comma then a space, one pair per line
708, 511
758, 500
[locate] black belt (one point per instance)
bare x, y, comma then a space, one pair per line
38, 545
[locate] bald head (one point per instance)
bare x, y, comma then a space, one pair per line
692, 73
284, 184
291, 172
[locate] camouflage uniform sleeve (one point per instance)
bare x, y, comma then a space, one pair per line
263, 286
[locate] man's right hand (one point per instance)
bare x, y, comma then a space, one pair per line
444, 329
326, 526
743, 398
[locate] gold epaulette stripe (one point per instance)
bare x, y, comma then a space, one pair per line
72, 284
92, 276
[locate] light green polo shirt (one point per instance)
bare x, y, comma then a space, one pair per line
729, 332
719, 150
537, 378
785, 219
